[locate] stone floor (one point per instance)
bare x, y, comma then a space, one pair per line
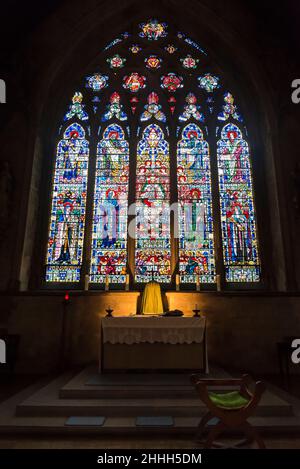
132, 442
24, 390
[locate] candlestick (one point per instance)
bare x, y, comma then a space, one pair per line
197, 282
86, 282
196, 311
109, 311
219, 285
177, 282
107, 283
127, 283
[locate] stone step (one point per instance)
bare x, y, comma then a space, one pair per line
110, 407
47, 402
35, 406
128, 392
126, 426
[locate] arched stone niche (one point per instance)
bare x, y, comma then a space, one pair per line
56, 59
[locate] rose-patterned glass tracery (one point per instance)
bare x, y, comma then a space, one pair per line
184, 102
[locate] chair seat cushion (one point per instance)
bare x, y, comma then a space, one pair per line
229, 400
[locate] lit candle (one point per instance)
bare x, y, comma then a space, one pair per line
177, 282
106, 282
86, 282
196, 307
127, 282
198, 282
219, 287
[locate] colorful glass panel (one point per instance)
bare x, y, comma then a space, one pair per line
114, 109
153, 30
109, 232
171, 82
135, 48
116, 61
66, 231
117, 41
196, 240
189, 41
240, 250
153, 62
189, 62
134, 82
134, 101
64, 257
208, 82
97, 81
76, 109
170, 48
229, 109
152, 256
191, 109
153, 109
172, 102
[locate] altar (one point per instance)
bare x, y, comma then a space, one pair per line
153, 343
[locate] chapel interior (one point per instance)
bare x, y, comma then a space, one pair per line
149, 215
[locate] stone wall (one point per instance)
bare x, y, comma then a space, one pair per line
253, 47
242, 328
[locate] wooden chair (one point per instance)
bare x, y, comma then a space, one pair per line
231, 408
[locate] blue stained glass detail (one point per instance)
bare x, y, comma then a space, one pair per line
97, 81
114, 109
109, 232
153, 255
238, 219
76, 109
192, 43
229, 109
196, 239
66, 230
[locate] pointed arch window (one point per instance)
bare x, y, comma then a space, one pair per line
109, 231
152, 256
153, 125
238, 222
66, 231
196, 239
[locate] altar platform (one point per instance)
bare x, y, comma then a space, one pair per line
123, 399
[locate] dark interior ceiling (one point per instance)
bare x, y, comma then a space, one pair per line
277, 18
274, 24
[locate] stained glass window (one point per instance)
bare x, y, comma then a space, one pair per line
66, 232
196, 240
237, 207
153, 62
191, 109
209, 82
171, 82
152, 256
189, 62
116, 61
153, 109
76, 109
153, 30
152, 86
109, 232
134, 82
97, 82
114, 109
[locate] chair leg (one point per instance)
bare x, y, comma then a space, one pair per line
213, 434
204, 420
252, 433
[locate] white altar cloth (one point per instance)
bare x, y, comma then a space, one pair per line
152, 329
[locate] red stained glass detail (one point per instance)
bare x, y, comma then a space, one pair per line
134, 82
171, 82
